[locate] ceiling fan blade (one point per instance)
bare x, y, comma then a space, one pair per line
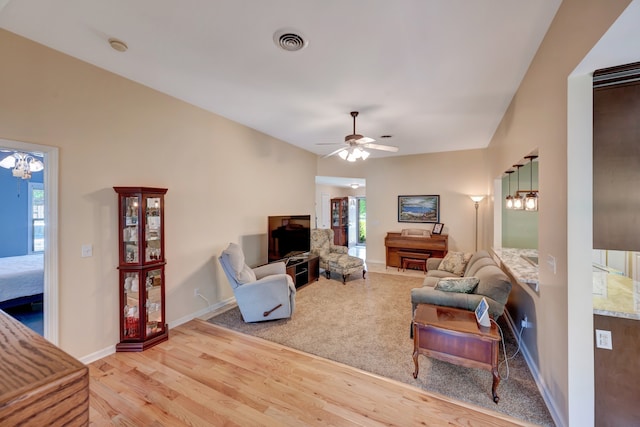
365, 140
333, 153
389, 148
330, 143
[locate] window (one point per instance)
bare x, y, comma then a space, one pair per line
36, 217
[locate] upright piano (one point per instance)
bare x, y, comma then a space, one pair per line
398, 246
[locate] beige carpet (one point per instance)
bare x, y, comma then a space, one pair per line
366, 323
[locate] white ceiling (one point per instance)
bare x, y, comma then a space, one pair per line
437, 75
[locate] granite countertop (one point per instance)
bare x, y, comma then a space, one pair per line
614, 294
523, 270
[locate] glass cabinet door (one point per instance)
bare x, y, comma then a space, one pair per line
130, 230
335, 214
153, 227
344, 212
131, 312
153, 288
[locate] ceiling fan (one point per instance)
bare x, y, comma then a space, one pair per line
355, 144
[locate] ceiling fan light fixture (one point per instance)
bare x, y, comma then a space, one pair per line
356, 144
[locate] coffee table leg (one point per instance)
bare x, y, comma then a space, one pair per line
415, 362
496, 382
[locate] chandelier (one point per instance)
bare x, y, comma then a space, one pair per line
22, 164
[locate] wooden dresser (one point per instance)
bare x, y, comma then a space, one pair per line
398, 246
39, 383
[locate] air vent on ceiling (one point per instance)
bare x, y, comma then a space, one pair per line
289, 40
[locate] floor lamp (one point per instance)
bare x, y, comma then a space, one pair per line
476, 202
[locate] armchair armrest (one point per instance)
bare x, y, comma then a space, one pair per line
339, 249
265, 295
270, 269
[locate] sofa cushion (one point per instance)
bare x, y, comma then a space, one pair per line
463, 285
493, 283
242, 272
455, 262
482, 254
480, 263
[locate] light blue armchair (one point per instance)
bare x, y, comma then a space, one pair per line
263, 293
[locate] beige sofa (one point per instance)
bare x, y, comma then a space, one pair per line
493, 284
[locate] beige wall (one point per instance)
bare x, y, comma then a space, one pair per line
452, 175
537, 118
223, 179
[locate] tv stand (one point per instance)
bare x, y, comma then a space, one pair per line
303, 269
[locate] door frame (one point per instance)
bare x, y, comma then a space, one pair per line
50, 181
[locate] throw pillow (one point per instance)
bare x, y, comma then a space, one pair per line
455, 262
243, 273
464, 285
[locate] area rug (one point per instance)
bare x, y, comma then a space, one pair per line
366, 324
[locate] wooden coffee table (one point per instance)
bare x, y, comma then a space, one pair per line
454, 336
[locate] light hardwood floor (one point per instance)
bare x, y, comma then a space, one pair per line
205, 375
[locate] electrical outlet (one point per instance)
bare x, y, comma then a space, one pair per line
603, 339
196, 292
87, 250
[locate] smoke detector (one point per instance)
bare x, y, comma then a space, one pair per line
118, 45
289, 40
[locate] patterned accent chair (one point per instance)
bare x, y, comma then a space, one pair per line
334, 258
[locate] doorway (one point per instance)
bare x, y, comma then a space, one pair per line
39, 238
362, 221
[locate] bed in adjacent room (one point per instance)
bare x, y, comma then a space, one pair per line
21, 280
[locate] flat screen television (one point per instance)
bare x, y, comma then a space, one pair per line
288, 235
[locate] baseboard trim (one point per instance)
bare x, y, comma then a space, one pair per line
90, 358
205, 313
537, 377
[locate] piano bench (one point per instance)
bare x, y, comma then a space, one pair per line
422, 263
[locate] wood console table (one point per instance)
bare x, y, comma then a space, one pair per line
453, 335
417, 247
40, 385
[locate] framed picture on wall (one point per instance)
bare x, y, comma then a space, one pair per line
437, 228
419, 208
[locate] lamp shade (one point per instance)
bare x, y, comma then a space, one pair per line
518, 202
531, 201
477, 199
509, 202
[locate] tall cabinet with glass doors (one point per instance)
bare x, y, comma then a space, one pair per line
141, 267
